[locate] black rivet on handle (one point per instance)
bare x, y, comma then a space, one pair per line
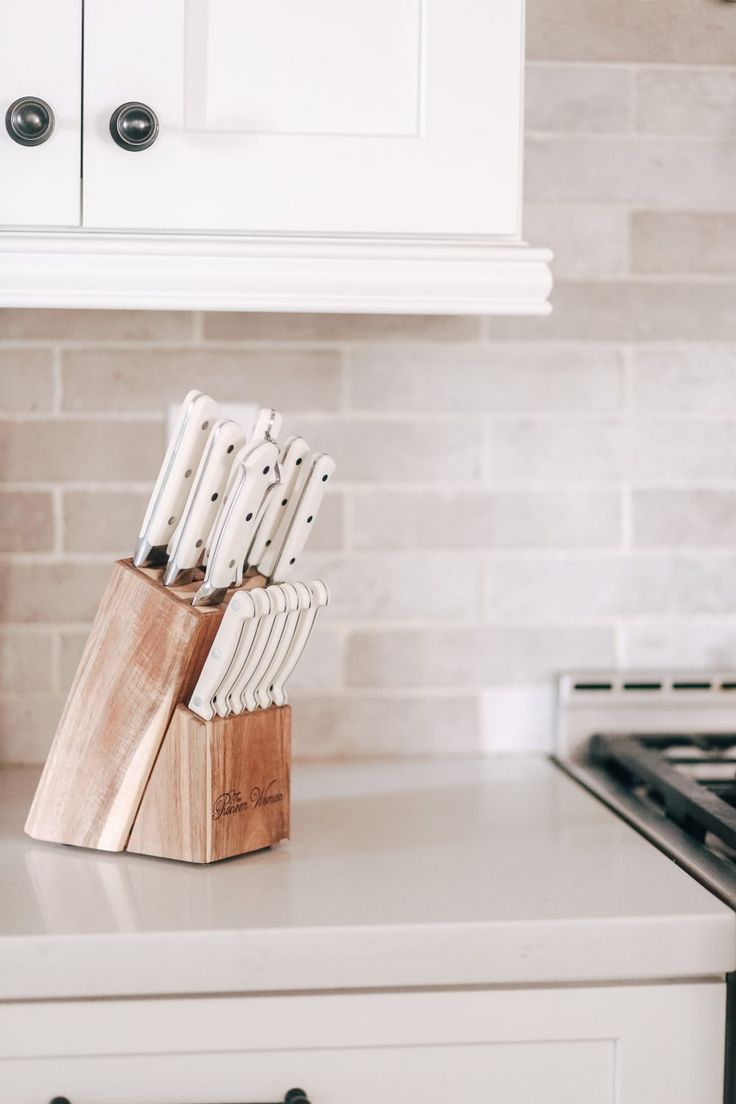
249, 516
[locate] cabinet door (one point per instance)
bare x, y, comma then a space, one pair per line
41, 59
325, 116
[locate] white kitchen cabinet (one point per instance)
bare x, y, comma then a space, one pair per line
349, 155
40, 60
637, 1045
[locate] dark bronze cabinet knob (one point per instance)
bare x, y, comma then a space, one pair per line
29, 121
134, 126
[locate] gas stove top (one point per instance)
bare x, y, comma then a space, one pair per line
660, 749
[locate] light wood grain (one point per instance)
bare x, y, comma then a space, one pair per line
218, 788
143, 656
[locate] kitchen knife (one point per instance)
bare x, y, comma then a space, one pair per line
240, 610
283, 601
302, 521
170, 492
320, 596
291, 464
262, 606
237, 521
186, 547
294, 608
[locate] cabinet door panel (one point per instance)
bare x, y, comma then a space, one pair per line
353, 116
41, 56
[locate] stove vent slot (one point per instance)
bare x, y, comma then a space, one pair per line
642, 686
681, 685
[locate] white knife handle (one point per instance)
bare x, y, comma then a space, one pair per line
187, 544
304, 517
238, 519
297, 599
264, 646
171, 489
267, 426
291, 463
320, 596
245, 658
220, 655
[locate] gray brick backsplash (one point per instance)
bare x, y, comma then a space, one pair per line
514, 495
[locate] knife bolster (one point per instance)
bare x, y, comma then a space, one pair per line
218, 788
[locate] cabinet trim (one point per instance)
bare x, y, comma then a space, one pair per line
273, 273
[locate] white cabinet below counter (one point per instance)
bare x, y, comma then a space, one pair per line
342, 155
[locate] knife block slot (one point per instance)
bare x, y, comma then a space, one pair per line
143, 657
218, 788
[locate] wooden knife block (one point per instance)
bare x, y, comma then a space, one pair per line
131, 768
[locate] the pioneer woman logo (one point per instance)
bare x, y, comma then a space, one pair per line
232, 800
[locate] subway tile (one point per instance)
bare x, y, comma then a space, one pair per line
683, 518
393, 588
96, 325
588, 240
691, 379
103, 521
395, 726
71, 646
565, 517
689, 31
485, 379
637, 310
320, 669
329, 533
231, 326
389, 451
27, 726
673, 242
644, 170
26, 380
680, 644
81, 451
687, 101
51, 592
579, 98
646, 448
128, 379
26, 660
553, 588
27, 521
473, 656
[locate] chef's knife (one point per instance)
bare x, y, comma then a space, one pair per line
320, 596
186, 547
291, 464
283, 600
262, 606
302, 522
237, 521
183, 454
294, 607
240, 610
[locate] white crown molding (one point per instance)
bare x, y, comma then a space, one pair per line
84, 269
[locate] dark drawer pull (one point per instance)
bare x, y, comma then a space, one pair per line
293, 1096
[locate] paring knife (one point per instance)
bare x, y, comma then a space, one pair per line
291, 463
303, 600
230, 698
319, 596
302, 522
229, 685
186, 547
183, 454
237, 521
240, 609
283, 600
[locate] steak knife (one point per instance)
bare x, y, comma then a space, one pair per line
224, 695
302, 522
294, 606
237, 521
283, 600
320, 596
240, 610
186, 547
170, 492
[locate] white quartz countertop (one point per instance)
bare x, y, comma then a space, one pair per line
458, 872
